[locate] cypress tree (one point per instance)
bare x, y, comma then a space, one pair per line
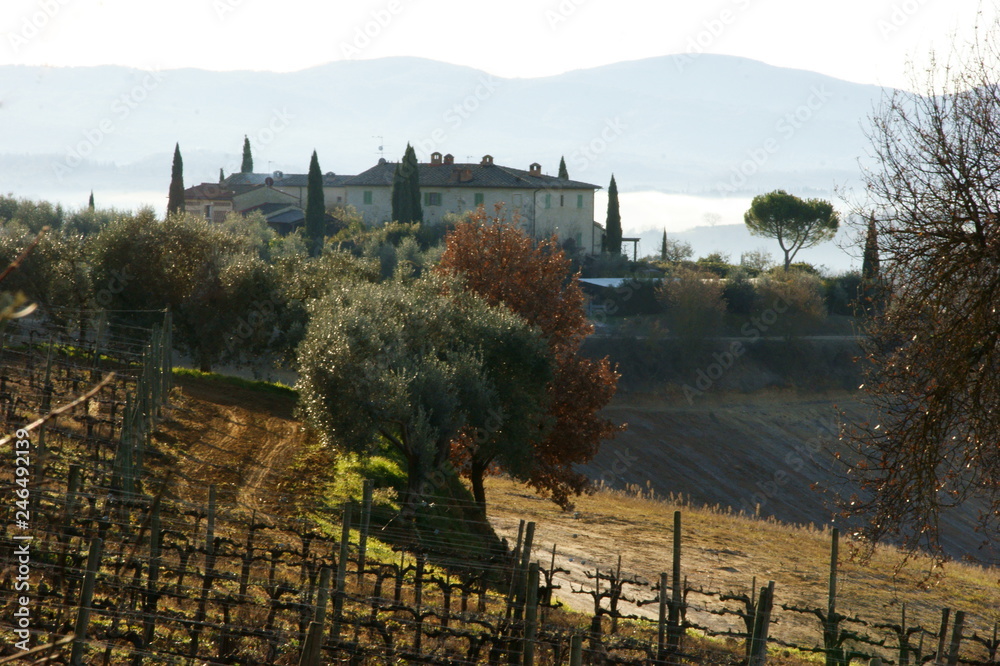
663, 247
247, 166
315, 208
563, 173
401, 202
613, 226
90, 204
871, 293
411, 171
222, 176
175, 198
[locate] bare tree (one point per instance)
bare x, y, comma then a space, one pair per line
934, 371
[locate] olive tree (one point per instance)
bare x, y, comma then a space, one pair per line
414, 366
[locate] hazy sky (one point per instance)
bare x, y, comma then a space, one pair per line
867, 41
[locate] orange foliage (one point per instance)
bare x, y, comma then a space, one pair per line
501, 263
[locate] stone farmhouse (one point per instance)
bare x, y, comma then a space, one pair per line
541, 204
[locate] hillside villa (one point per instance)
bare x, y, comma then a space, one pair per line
543, 205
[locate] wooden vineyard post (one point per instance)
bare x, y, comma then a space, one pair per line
152, 580
418, 595
366, 518
338, 602
956, 638
86, 598
323, 596
210, 530
521, 574
761, 626
831, 625
942, 636
312, 647
661, 636
530, 615
675, 630
576, 650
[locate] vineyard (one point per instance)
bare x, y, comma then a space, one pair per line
108, 558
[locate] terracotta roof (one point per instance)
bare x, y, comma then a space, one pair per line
209, 192
468, 175
242, 180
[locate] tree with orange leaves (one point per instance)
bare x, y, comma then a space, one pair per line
500, 263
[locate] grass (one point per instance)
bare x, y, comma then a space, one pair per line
276, 388
725, 551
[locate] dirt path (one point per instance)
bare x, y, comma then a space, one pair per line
238, 439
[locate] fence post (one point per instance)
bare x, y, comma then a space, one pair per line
661, 637
576, 650
942, 636
530, 614
418, 594
956, 638
762, 622
338, 602
323, 596
834, 654
152, 579
312, 647
675, 629
210, 529
86, 598
366, 518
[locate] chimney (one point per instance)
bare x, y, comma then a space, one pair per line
435, 158
487, 160
535, 169
449, 159
465, 176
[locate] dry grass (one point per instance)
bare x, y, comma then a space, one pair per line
725, 551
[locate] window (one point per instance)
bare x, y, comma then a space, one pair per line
480, 199
432, 198
562, 200
208, 212
579, 201
548, 201
368, 197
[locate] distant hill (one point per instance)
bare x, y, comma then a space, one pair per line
657, 124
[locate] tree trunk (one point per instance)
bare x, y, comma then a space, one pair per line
477, 475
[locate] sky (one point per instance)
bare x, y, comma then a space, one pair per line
865, 41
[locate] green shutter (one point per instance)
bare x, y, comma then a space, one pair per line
548, 201
579, 201
480, 199
368, 197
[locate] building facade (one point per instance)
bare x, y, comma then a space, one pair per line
542, 205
